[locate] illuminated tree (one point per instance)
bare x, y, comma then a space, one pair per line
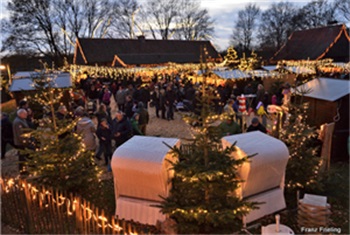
58, 157
231, 58
302, 171
203, 198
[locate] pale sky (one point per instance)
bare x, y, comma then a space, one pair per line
224, 12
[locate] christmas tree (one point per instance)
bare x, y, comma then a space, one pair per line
303, 166
57, 157
203, 198
231, 58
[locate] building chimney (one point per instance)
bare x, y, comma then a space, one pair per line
141, 38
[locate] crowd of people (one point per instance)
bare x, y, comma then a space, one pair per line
92, 99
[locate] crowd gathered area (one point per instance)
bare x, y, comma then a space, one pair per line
111, 111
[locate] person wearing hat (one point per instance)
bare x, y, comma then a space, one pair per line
256, 126
229, 127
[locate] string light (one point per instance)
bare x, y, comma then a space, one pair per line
102, 221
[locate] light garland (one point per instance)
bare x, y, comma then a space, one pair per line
71, 205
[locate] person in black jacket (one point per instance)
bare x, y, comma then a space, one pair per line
6, 133
121, 129
128, 106
256, 126
143, 118
104, 134
170, 98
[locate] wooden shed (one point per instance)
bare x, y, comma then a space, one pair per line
329, 102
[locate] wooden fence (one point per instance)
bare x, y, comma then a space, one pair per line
38, 210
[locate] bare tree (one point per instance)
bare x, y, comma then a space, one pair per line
343, 10
315, 14
50, 27
98, 16
32, 29
70, 22
275, 25
245, 26
193, 23
160, 17
126, 17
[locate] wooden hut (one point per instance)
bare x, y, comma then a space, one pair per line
329, 102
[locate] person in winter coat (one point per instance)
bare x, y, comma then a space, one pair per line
19, 127
86, 128
256, 126
102, 113
104, 134
144, 117
155, 100
120, 98
170, 99
229, 127
121, 129
135, 124
128, 106
6, 133
162, 102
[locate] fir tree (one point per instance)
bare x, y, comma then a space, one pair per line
58, 158
303, 166
231, 58
203, 198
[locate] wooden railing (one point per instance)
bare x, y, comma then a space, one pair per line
39, 210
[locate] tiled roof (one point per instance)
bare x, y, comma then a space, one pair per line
139, 51
318, 43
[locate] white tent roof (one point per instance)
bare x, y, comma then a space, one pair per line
270, 67
263, 174
232, 74
262, 73
24, 74
329, 89
300, 69
269, 163
140, 169
61, 80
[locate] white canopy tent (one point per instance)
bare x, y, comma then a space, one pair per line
59, 80
141, 175
329, 89
264, 174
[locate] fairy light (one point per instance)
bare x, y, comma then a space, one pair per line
102, 221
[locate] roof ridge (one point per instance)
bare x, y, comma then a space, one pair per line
321, 27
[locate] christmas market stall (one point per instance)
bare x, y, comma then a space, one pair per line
141, 175
22, 84
263, 174
328, 100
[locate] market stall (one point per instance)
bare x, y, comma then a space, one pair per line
263, 174
141, 175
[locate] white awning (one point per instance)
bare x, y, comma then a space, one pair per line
329, 89
300, 69
61, 80
232, 74
24, 74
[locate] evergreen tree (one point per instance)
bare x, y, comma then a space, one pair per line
58, 158
303, 167
231, 58
203, 198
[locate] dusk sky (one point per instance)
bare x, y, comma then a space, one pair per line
224, 12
